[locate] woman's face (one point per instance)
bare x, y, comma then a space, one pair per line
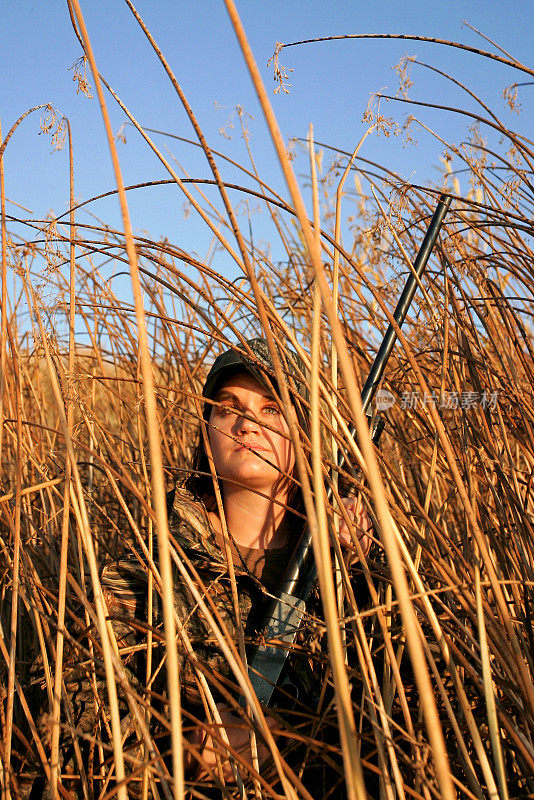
246, 451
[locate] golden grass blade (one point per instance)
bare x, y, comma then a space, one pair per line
420, 669
56, 708
353, 770
333, 353
493, 720
8, 729
155, 455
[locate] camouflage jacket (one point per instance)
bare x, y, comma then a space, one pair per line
125, 584
194, 542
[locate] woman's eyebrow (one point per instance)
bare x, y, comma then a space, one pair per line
225, 394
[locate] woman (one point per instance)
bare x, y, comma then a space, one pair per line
246, 457
253, 459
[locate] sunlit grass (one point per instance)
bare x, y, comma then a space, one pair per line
98, 422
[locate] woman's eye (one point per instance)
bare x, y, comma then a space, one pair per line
272, 410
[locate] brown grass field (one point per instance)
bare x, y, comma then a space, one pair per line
427, 651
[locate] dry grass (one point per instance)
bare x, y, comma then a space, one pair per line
430, 669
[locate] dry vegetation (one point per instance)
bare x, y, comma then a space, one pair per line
435, 644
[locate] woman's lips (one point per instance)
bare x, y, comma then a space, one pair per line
256, 446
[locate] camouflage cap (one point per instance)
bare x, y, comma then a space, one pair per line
260, 364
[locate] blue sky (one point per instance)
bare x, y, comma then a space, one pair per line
331, 86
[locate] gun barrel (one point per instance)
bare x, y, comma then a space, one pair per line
303, 551
377, 370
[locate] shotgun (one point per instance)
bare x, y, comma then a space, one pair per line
283, 617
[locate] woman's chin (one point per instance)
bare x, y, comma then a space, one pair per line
257, 480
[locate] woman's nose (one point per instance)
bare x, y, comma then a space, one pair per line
246, 421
